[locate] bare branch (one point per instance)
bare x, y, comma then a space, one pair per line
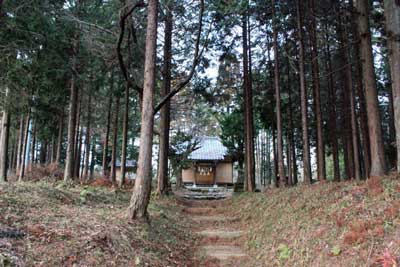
119, 43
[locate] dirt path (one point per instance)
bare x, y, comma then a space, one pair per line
220, 242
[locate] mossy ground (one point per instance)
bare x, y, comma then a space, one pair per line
75, 225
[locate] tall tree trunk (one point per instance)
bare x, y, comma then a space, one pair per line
43, 152
115, 142
12, 159
162, 178
87, 138
289, 160
363, 117
53, 148
78, 138
20, 142
303, 98
354, 134
332, 111
124, 138
274, 180
141, 191
291, 130
4, 140
361, 97
350, 127
392, 16
321, 172
107, 137
70, 157
391, 154
33, 149
60, 139
24, 149
93, 158
81, 171
353, 115
49, 150
378, 165
279, 139
78, 152
248, 112
346, 80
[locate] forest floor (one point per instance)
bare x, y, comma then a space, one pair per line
53, 224
325, 224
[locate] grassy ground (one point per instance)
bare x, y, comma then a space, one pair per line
44, 224
326, 224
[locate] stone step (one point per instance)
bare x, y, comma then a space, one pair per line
205, 196
223, 252
207, 189
198, 210
220, 234
211, 218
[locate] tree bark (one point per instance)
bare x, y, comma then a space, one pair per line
60, 139
4, 141
141, 191
162, 178
274, 180
321, 172
362, 113
291, 131
279, 139
289, 160
87, 138
93, 158
392, 16
121, 179
78, 140
303, 98
20, 142
33, 149
70, 153
363, 117
378, 165
24, 149
107, 137
14, 147
391, 155
115, 142
248, 111
53, 148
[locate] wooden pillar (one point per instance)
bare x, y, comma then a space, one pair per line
195, 173
215, 173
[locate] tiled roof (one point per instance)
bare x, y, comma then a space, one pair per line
210, 148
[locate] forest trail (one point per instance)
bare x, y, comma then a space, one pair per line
220, 239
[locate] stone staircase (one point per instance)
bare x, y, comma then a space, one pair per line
205, 193
219, 240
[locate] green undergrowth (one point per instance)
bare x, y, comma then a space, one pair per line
74, 225
325, 224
